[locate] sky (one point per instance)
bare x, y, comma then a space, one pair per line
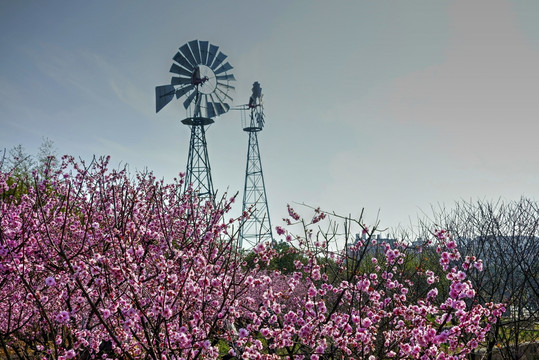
394, 107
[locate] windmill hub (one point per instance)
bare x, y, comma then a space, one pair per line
204, 77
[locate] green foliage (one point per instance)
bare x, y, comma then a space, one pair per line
26, 169
17, 188
283, 261
23, 165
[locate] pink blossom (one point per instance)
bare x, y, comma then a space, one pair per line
478, 265
62, 317
243, 333
265, 332
167, 313
106, 313
432, 293
292, 213
259, 248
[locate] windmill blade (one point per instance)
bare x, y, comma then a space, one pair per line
227, 77
224, 68
184, 90
188, 55
211, 54
225, 93
226, 107
180, 81
211, 108
218, 60
210, 111
176, 69
189, 99
220, 109
163, 95
226, 86
180, 59
195, 50
203, 51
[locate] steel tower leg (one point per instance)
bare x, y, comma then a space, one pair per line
257, 228
198, 172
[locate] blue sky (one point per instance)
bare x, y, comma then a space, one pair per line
390, 106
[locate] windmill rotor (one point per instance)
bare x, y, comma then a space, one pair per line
202, 79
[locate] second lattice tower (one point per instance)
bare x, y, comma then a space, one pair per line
256, 227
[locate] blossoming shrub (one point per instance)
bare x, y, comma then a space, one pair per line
94, 263
366, 300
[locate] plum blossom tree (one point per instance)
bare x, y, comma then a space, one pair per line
356, 300
94, 263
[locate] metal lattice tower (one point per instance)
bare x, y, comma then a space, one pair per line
257, 227
198, 172
202, 78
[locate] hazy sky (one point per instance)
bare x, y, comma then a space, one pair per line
391, 106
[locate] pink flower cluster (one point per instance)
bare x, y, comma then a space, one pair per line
347, 316
115, 267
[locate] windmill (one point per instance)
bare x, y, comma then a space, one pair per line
257, 227
202, 79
